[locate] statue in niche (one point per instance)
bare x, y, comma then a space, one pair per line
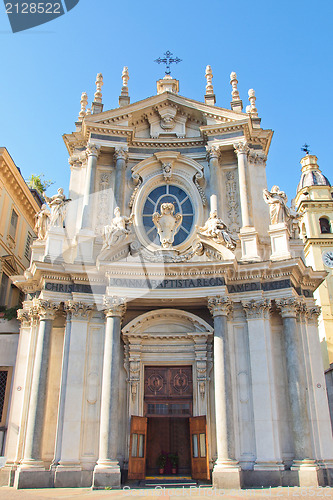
117, 231
42, 222
217, 230
57, 203
277, 201
167, 224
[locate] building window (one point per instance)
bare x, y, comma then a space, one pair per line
325, 226
13, 224
5, 376
182, 204
3, 289
27, 251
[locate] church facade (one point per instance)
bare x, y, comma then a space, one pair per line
169, 319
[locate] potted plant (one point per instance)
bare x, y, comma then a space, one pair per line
173, 457
161, 461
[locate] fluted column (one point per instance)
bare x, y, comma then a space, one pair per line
92, 152
72, 389
296, 381
120, 156
34, 431
213, 153
268, 453
226, 469
107, 470
242, 149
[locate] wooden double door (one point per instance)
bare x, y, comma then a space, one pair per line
186, 437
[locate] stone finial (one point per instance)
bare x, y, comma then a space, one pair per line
124, 98
210, 96
88, 112
99, 85
209, 78
252, 110
125, 78
84, 103
236, 103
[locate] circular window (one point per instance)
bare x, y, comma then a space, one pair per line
182, 204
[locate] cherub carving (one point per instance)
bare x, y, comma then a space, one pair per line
117, 231
167, 224
217, 230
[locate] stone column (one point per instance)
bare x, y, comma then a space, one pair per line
226, 472
107, 470
296, 384
69, 471
92, 151
242, 149
32, 460
268, 451
213, 153
120, 156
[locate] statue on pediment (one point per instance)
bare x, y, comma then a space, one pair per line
217, 230
118, 230
42, 222
277, 201
167, 224
57, 204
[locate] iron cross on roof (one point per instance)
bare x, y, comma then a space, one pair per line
306, 148
167, 60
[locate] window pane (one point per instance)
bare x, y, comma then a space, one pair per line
202, 438
3, 289
195, 445
13, 224
3, 384
141, 445
134, 445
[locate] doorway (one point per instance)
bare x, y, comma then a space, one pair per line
168, 435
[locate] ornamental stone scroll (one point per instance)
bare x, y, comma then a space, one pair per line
114, 306
220, 306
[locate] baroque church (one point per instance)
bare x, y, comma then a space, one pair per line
169, 308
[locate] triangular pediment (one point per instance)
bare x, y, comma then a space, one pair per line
163, 115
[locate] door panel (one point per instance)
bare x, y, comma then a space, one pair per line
199, 448
138, 445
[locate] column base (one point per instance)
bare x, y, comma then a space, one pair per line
268, 466
307, 472
227, 475
249, 243
32, 478
106, 476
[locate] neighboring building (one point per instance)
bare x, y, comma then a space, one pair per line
18, 207
161, 328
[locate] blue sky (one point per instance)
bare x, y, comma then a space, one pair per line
281, 49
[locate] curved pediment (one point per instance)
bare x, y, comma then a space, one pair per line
167, 322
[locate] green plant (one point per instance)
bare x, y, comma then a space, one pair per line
9, 313
161, 460
173, 457
36, 182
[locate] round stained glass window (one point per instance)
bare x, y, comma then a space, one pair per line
182, 204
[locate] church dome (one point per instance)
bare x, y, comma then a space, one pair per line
311, 174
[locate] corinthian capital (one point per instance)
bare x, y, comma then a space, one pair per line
213, 152
92, 149
257, 157
241, 148
24, 316
114, 306
45, 309
120, 154
312, 314
289, 308
78, 309
255, 309
219, 306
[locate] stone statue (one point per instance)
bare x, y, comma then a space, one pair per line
117, 231
42, 222
167, 224
277, 201
57, 203
217, 230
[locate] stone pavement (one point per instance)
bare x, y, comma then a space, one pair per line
202, 493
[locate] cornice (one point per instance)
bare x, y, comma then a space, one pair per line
15, 185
